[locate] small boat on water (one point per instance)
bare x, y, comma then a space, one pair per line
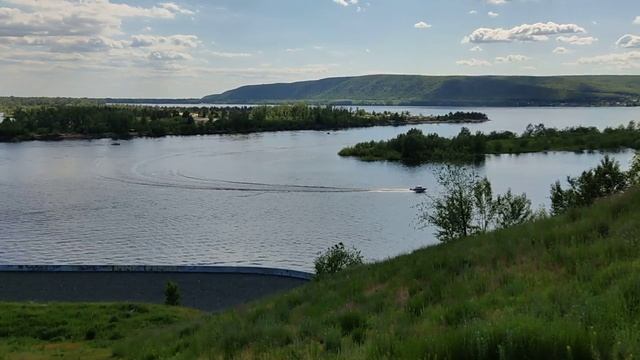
419, 189
115, 144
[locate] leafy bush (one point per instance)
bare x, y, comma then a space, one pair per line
466, 206
606, 179
171, 294
337, 258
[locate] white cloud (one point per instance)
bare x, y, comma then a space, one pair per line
169, 56
473, 12
511, 59
626, 60
187, 41
637, 20
422, 25
173, 7
629, 41
229, 54
525, 32
497, 2
346, 2
72, 17
476, 48
473, 62
577, 40
560, 50
493, 14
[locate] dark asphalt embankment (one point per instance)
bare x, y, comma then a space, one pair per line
208, 291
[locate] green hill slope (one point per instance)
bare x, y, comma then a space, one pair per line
445, 90
564, 287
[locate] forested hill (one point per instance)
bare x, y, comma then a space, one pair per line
446, 91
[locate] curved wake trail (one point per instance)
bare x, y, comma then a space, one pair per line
228, 186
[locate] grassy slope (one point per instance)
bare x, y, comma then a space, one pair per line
452, 90
565, 287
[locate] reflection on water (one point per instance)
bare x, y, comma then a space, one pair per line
272, 199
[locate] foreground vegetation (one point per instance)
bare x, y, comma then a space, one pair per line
54, 122
78, 331
566, 287
414, 147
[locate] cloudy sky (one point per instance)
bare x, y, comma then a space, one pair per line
191, 48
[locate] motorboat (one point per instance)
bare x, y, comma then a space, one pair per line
419, 189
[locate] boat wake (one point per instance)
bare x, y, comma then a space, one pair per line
140, 175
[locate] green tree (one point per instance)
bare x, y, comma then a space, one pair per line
452, 212
484, 204
512, 209
606, 179
466, 206
633, 174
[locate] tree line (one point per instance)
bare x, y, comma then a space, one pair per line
54, 121
415, 147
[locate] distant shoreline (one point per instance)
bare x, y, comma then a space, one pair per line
414, 120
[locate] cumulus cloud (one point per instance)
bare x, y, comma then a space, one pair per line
89, 34
577, 40
512, 58
629, 41
476, 48
560, 50
493, 14
637, 20
229, 54
187, 41
525, 32
473, 12
74, 17
422, 25
169, 56
497, 2
626, 60
175, 8
346, 2
473, 62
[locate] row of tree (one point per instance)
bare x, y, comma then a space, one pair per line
122, 121
415, 147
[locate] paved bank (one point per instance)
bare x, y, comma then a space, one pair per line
205, 288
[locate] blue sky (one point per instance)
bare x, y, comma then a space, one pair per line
191, 48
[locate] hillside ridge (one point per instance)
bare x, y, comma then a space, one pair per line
571, 90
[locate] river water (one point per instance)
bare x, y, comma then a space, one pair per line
271, 199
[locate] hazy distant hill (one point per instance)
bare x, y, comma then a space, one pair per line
445, 90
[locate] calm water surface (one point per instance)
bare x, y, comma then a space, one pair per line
273, 199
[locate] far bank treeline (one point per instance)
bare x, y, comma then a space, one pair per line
93, 121
414, 147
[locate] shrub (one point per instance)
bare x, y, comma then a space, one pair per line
606, 179
171, 294
466, 206
337, 258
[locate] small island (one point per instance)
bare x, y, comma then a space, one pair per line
416, 148
88, 121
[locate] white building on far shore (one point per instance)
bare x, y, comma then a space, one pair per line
1, 117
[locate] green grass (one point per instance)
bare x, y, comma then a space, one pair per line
78, 331
558, 288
